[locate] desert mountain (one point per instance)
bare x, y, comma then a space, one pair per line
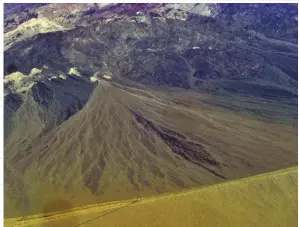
107, 102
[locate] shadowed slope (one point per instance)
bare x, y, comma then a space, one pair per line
268, 199
126, 143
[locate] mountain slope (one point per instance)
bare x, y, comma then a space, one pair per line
107, 102
129, 142
264, 200
196, 52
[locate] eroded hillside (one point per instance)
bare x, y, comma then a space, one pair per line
107, 102
130, 142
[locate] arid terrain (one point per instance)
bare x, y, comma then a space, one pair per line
266, 199
132, 142
115, 103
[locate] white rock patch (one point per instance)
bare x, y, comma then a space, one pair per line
108, 77
74, 71
93, 79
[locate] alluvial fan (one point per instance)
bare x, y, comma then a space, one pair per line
106, 102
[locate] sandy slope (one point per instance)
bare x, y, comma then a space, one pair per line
268, 199
129, 143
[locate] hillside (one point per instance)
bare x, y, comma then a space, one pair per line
264, 200
130, 142
108, 102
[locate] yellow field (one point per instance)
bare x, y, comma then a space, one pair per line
264, 200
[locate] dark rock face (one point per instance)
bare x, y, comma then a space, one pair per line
240, 49
16, 14
11, 68
57, 99
272, 20
43, 50
13, 101
159, 59
42, 94
61, 98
